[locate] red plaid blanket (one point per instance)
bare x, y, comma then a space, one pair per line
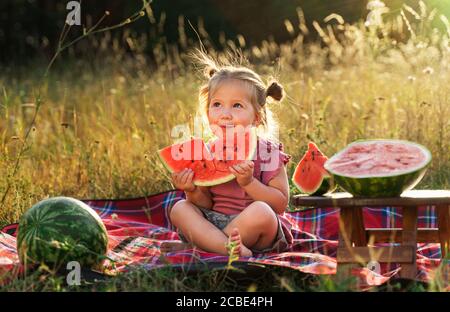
137, 227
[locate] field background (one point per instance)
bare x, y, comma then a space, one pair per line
107, 105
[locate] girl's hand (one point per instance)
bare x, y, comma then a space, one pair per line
243, 172
183, 180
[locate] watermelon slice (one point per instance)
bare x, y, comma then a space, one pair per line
379, 168
310, 176
210, 164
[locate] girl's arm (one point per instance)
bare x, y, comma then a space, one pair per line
200, 196
276, 194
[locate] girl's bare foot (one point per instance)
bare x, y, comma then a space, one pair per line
240, 248
174, 246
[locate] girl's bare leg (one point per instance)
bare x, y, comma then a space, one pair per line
197, 230
257, 226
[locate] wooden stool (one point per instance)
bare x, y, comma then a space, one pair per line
354, 238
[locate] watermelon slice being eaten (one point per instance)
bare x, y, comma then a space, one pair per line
310, 176
211, 162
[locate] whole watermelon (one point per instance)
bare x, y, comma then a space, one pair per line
58, 230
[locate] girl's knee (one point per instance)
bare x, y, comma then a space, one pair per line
263, 213
174, 210
182, 207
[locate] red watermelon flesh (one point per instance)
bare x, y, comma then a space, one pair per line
228, 152
210, 166
380, 167
378, 158
310, 176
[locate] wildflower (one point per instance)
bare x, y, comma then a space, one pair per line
252, 288
411, 78
428, 70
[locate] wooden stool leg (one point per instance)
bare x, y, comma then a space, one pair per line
409, 238
443, 218
359, 230
345, 241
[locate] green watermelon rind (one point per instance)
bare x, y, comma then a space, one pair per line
39, 236
390, 185
327, 186
225, 179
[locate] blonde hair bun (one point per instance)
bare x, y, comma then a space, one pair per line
275, 91
210, 71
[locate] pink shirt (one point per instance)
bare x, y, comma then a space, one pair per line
229, 198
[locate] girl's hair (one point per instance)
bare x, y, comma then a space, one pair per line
258, 91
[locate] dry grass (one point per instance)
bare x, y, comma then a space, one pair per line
101, 122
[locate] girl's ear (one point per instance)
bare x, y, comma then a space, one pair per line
257, 120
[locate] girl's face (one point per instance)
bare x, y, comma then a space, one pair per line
231, 106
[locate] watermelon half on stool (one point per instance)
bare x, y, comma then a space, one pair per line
379, 168
310, 176
58, 230
210, 163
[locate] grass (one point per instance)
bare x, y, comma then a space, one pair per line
104, 115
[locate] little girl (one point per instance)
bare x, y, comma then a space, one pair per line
249, 209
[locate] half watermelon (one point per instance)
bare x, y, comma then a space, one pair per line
310, 176
379, 168
211, 162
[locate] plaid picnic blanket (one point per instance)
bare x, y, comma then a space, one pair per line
137, 227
